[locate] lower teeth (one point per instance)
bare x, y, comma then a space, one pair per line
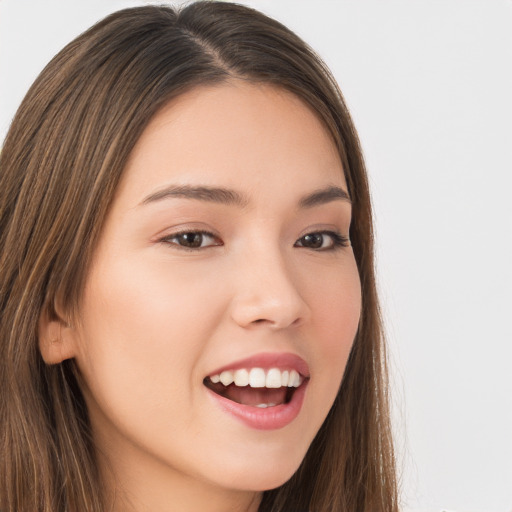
251, 397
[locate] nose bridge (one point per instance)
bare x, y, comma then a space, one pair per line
268, 291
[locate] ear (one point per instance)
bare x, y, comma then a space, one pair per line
56, 338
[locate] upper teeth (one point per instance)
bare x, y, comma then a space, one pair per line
259, 378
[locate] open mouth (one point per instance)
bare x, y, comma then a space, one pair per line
256, 387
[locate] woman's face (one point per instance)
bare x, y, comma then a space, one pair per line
224, 256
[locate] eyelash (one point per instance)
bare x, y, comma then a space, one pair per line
169, 239
338, 240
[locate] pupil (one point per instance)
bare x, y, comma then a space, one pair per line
191, 239
314, 241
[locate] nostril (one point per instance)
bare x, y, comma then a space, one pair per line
263, 321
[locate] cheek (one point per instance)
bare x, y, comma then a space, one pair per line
141, 336
338, 309
336, 320
146, 307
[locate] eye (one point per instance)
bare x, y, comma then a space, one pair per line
323, 241
192, 240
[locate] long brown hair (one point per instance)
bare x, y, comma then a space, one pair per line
59, 168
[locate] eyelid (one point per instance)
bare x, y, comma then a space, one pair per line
338, 240
167, 239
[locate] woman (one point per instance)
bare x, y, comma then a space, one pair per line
189, 316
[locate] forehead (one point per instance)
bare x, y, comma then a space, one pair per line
235, 134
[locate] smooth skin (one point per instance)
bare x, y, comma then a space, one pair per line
160, 312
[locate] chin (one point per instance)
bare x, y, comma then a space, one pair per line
261, 476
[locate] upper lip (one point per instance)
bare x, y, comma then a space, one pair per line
267, 360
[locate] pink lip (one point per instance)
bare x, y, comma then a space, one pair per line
271, 418
268, 360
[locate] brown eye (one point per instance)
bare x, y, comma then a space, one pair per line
323, 241
192, 240
313, 241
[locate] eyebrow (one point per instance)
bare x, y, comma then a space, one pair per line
233, 198
325, 195
201, 193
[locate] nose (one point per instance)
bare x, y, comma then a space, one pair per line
268, 294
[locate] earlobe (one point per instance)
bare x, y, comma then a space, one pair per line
56, 340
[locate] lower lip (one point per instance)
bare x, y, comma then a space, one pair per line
270, 418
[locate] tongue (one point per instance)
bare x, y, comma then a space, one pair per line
255, 396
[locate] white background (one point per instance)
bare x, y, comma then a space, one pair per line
429, 84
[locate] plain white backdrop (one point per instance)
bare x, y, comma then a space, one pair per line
429, 84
